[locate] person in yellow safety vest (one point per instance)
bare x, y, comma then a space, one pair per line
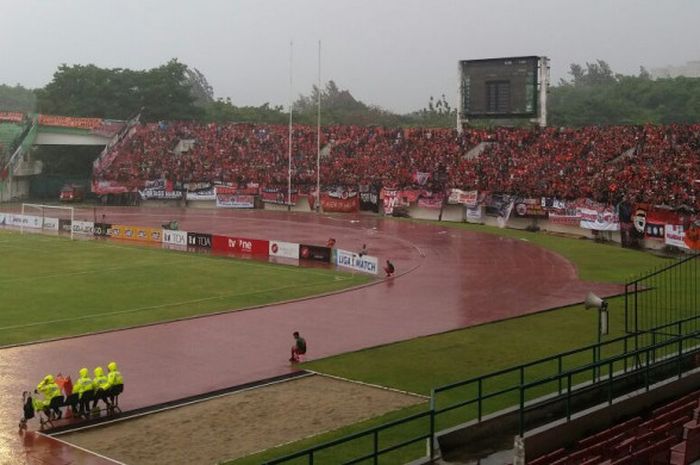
114, 378
101, 385
50, 389
82, 386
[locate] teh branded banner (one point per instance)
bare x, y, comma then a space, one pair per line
5, 219
148, 234
315, 252
102, 229
195, 239
599, 220
364, 263
120, 231
240, 245
174, 237
83, 227
284, 249
64, 225
50, 224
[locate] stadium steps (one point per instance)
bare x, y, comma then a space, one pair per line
8, 134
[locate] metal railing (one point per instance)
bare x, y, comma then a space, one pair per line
665, 294
627, 363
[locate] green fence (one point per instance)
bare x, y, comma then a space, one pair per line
564, 383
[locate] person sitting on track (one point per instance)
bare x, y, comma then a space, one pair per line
115, 383
85, 390
299, 347
101, 385
389, 269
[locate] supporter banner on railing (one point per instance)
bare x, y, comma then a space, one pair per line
284, 249
468, 198
330, 202
228, 197
195, 239
103, 187
83, 227
202, 195
315, 252
364, 263
692, 235
175, 240
50, 223
529, 208
369, 198
11, 116
674, 234
500, 206
473, 214
390, 199
431, 200
278, 196
69, 121
240, 245
604, 219
159, 189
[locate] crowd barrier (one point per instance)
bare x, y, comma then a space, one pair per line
275, 251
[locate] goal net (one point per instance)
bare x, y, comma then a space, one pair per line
48, 218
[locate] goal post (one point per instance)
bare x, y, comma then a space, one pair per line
47, 216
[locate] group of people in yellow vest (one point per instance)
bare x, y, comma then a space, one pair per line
61, 391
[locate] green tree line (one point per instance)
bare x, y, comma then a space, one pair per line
592, 94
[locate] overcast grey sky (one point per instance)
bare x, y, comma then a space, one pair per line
394, 53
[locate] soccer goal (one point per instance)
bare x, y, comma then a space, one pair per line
47, 217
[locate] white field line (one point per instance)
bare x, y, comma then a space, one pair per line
78, 273
117, 462
186, 404
362, 383
172, 304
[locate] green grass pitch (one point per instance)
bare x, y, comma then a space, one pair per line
53, 287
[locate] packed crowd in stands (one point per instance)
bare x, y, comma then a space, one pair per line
656, 164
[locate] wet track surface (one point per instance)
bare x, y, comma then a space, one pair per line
446, 279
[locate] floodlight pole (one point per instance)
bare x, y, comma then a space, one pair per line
318, 136
291, 109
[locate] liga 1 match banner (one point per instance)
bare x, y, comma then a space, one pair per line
315, 252
240, 245
284, 250
177, 239
195, 239
83, 227
364, 263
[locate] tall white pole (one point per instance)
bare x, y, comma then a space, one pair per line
291, 109
318, 136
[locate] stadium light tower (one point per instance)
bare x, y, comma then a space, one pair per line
291, 110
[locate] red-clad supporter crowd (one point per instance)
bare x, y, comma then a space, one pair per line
654, 164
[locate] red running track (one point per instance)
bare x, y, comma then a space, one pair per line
447, 279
